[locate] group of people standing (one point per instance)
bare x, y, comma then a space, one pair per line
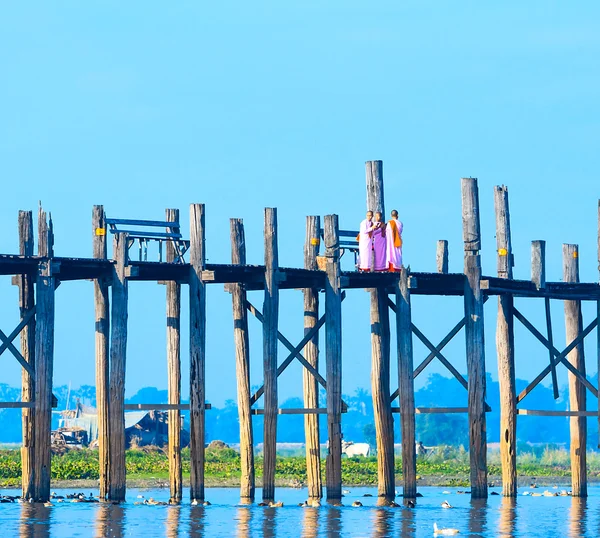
380, 243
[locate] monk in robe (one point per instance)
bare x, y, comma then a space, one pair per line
365, 242
394, 243
379, 243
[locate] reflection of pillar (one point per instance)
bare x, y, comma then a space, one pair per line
110, 521
35, 521
477, 516
383, 523
172, 522
197, 514
244, 519
310, 523
508, 517
334, 522
269, 522
577, 516
407, 526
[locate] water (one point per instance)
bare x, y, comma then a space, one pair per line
528, 516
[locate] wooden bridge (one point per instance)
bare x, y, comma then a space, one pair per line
38, 277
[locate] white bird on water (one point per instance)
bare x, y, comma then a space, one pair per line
446, 504
444, 532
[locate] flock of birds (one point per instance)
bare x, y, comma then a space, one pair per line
70, 497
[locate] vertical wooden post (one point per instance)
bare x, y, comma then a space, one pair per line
26, 303
44, 360
311, 353
474, 338
441, 256
538, 277
270, 328
242, 363
577, 396
505, 348
197, 351
118, 355
102, 337
380, 354
598, 329
406, 390
174, 369
333, 357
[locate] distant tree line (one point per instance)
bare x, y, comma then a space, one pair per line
357, 423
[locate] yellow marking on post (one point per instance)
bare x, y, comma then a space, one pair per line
315, 241
100, 231
575, 254
502, 251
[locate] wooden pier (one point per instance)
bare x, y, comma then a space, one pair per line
324, 285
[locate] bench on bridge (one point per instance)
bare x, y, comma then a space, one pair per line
347, 242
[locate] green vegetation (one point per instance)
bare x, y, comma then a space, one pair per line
449, 466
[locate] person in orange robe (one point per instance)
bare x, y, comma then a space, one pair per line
394, 243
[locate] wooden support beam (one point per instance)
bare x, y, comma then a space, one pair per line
26, 309
474, 338
441, 256
270, 324
173, 292
558, 357
18, 405
242, 363
160, 407
406, 386
380, 353
102, 338
598, 318
197, 301
435, 410
311, 352
118, 359
505, 348
577, 395
333, 356
542, 413
287, 411
44, 360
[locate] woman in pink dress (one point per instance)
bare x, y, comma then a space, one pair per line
379, 243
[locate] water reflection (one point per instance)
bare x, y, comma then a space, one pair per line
508, 517
310, 523
110, 521
383, 523
34, 521
244, 520
172, 521
334, 521
197, 514
269, 522
408, 522
577, 516
477, 516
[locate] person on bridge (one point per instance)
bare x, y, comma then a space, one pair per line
379, 244
394, 243
365, 236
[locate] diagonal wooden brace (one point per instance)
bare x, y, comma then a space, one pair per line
7, 341
558, 357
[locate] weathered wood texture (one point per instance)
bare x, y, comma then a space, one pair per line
505, 348
242, 363
102, 339
173, 291
374, 174
380, 354
26, 303
197, 290
311, 354
577, 396
406, 391
270, 330
441, 256
598, 317
474, 338
44, 360
333, 357
118, 357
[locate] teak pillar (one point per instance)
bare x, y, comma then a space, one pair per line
598, 317
26, 303
333, 357
577, 396
197, 351
380, 354
270, 329
505, 344
406, 390
242, 363
311, 353
474, 338
44, 360
441, 256
102, 338
174, 369
118, 355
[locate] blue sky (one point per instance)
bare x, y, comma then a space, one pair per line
142, 106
